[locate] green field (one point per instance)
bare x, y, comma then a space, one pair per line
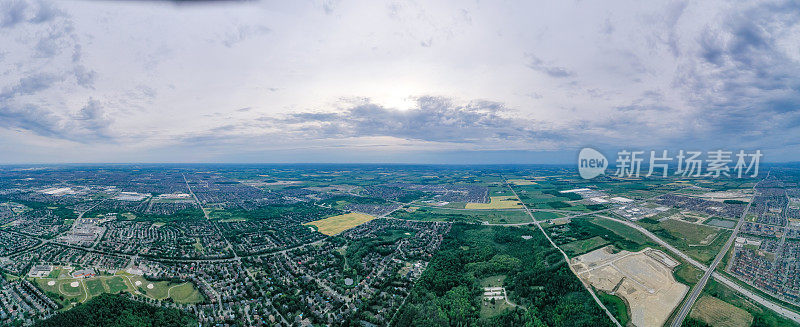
694, 234
471, 216
545, 215
63, 292
116, 284
95, 286
622, 230
582, 233
185, 293
687, 274
580, 247
616, 305
689, 238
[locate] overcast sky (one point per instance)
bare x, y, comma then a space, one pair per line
383, 81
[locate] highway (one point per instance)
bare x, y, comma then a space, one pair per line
698, 287
789, 314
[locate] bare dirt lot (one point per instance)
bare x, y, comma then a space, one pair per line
644, 279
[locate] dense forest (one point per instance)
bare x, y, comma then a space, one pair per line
111, 310
537, 279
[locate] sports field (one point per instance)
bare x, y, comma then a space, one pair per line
497, 202
79, 290
337, 224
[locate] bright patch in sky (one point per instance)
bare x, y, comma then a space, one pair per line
375, 81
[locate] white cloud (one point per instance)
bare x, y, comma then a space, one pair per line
158, 75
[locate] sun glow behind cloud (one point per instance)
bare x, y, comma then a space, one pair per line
109, 81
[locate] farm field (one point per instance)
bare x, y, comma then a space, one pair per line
716, 312
497, 202
520, 181
507, 216
761, 315
334, 225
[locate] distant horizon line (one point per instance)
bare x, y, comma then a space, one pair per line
320, 163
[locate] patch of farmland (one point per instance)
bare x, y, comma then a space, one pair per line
334, 225
718, 313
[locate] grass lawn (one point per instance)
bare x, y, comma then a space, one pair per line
95, 286
497, 202
185, 293
116, 284
489, 310
334, 225
197, 245
493, 281
392, 235
55, 273
62, 288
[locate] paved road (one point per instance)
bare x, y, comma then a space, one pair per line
698, 287
214, 223
566, 258
789, 314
